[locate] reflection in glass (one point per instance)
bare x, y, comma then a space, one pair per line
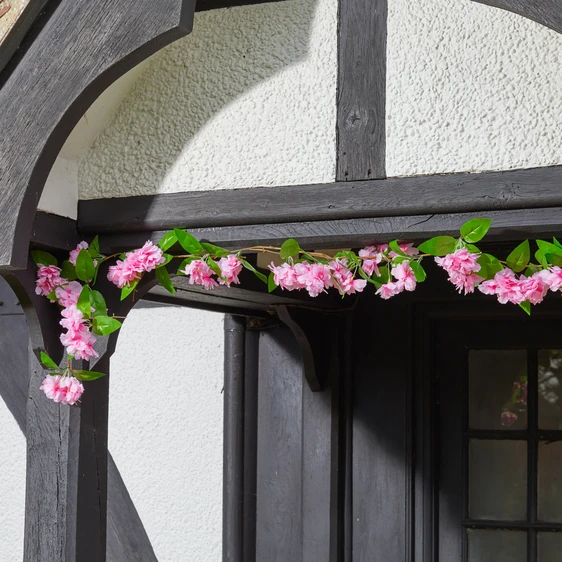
550, 389
550, 482
497, 389
550, 547
497, 546
497, 485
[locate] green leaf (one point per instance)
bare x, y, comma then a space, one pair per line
126, 291
168, 258
87, 375
43, 258
395, 247
519, 258
257, 273
47, 361
289, 249
438, 246
215, 251
98, 303
548, 248
489, 266
94, 248
105, 325
271, 285
188, 242
384, 276
85, 268
526, 306
52, 296
83, 304
472, 248
556, 242
419, 271
168, 240
554, 259
68, 271
475, 229
214, 266
164, 279
367, 278
541, 258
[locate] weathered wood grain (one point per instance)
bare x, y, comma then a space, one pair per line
361, 102
85, 46
545, 12
450, 193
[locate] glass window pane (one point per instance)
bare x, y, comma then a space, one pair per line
497, 389
550, 547
497, 476
550, 482
497, 546
550, 389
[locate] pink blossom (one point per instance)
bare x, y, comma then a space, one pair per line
508, 418
460, 262
67, 390
552, 277
48, 279
80, 343
230, 268
465, 283
68, 294
505, 286
74, 253
315, 278
533, 288
344, 280
123, 273
285, 276
404, 275
370, 266
200, 274
522, 388
146, 258
390, 289
72, 319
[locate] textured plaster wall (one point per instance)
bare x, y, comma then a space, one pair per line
248, 99
470, 87
165, 434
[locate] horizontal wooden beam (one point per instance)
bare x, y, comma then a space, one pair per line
54, 232
451, 193
507, 225
205, 5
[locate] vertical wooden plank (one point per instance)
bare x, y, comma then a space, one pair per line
234, 329
279, 473
361, 110
381, 421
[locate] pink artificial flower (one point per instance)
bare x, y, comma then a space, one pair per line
390, 289
200, 274
370, 266
315, 278
123, 273
80, 343
72, 319
344, 280
404, 275
408, 249
48, 279
505, 286
533, 288
68, 294
67, 390
465, 283
146, 258
460, 262
552, 277
522, 387
508, 418
74, 254
285, 276
230, 268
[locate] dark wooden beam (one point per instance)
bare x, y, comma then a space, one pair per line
361, 101
450, 193
545, 12
85, 46
205, 5
54, 232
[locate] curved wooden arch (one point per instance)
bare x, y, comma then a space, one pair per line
83, 47
545, 12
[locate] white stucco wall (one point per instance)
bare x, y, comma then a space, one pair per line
470, 87
248, 99
165, 435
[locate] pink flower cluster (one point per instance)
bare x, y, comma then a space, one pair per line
64, 389
317, 277
405, 280
48, 279
200, 273
462, 267
144, 259
510, 288
77, 339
